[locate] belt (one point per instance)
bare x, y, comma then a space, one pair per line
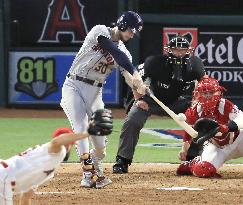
86, 80
4, 164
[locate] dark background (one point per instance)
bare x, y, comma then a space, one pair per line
22, 21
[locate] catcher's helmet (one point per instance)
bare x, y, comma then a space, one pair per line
209, 84
208, 93
130, 19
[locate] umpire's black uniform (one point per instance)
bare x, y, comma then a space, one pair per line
168, 89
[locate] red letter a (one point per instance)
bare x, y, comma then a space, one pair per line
65, 17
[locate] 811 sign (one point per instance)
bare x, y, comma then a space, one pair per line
36, 77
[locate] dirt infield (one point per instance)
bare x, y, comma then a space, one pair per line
140, 187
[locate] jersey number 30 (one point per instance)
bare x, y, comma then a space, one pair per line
101, 67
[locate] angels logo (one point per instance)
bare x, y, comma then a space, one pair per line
64, 19
191, 34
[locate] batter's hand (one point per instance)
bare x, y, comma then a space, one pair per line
142, 104
142, 89
137, 80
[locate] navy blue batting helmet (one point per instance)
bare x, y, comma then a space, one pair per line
130, 19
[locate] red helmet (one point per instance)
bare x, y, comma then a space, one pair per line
208, 93
61, 130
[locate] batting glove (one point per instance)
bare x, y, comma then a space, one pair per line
137, 80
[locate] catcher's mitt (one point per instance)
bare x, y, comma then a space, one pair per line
206, 129
101, 123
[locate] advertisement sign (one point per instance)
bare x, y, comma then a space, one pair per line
37, 78
59, 23
221, 52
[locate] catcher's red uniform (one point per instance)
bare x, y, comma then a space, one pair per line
223, 146
225, 112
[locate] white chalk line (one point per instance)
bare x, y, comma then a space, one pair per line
149, 163
54, 192
180, 188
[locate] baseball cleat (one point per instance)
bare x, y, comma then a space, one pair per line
101, 182
121, 165
89, 180
120, 169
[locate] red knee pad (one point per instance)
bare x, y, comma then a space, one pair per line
184, 169
203, 169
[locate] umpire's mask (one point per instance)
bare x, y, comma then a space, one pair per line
179, 51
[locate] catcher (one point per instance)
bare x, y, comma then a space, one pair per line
23, 173
218, 122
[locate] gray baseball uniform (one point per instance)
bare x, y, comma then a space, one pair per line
82, 89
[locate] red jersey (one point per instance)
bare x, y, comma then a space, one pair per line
225, 112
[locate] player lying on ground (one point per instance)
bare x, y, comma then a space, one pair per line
216, 115
23, 173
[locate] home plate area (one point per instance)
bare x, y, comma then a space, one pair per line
144, 184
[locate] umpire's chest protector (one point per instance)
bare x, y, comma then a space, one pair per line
164, 85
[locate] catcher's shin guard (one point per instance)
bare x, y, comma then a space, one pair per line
203, 169
89, 174
184, 169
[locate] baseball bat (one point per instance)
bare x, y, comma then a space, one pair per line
193, 133
189, 129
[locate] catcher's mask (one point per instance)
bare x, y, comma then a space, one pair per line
208, 93
179, 51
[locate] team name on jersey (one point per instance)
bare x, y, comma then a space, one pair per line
107, 55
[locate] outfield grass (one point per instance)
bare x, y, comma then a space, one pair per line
19, 134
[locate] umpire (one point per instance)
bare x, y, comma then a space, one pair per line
168, 77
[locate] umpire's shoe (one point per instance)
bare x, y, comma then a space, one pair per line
121, 166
